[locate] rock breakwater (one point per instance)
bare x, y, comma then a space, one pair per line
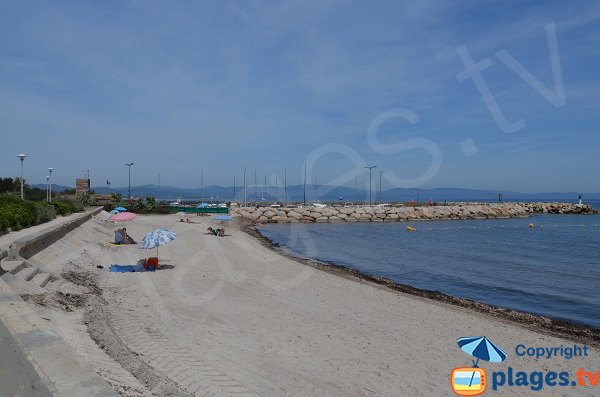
396, 213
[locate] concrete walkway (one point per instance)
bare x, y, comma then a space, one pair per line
34, 359
17, 375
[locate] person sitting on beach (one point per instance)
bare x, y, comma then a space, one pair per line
221, 232
127, 239
118, 236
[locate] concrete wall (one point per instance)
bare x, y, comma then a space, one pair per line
30, 245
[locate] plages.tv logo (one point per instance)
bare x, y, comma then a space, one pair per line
472, 381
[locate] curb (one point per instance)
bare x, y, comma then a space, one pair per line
53, 366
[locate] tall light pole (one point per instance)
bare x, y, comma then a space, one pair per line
129, 191
201, 185
22, 157
47, 187
380, 190
245, 192
276, 186
285, 185
304, 185
50, 169
370, 167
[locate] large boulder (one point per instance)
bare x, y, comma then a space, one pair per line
294, 215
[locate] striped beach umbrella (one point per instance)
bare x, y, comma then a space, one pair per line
157, 238
481, 348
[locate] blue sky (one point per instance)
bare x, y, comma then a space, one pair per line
180, 86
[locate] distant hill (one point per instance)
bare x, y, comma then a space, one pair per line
334, 193
55, 188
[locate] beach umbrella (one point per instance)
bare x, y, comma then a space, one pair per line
157, 238
222, 218
122, 217
120, 209
481, 348
113, 212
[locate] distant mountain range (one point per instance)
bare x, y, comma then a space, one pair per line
330, 193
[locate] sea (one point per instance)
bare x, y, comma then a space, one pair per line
551, 269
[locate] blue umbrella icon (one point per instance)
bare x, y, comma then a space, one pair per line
481, 348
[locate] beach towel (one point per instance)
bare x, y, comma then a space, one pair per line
129, 268
115, 244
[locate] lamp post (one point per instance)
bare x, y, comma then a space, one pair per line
304, 198
370, 167
50, 169
22, 157
129, 191
47, 187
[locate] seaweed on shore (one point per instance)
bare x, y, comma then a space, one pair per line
554, 327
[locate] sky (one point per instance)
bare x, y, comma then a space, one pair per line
180, 87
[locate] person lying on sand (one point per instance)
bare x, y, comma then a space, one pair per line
210, 230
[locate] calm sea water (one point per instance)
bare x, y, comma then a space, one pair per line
552, 269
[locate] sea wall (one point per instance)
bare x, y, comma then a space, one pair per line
395, 213
30, 245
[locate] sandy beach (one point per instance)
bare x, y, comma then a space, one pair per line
230, 317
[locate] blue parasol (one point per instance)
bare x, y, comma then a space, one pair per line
157, 238
222, 218
481, 348
120, 209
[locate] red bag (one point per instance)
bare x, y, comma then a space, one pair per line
151, 262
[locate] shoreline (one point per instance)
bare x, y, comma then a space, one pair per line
538, 323
222, 305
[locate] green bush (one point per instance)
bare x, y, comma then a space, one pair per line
65, 207
15, 213
44, 212
86, 199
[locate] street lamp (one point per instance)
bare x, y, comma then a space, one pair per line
129, 191
370, 169
50, 169
47, 186
22, 157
